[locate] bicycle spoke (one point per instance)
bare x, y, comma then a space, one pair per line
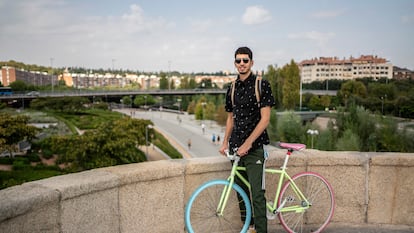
298, 216
201, 211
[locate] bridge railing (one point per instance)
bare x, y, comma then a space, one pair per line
370, 188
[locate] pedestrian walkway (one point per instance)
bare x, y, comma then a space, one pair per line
179, 128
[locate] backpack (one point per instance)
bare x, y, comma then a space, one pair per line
257, 90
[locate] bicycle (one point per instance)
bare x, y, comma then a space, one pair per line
303, 203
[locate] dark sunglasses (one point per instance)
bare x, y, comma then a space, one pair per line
245, 60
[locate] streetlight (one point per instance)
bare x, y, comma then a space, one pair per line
146, 139
382, 104
312, 133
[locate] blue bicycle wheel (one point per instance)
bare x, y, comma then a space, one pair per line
201, 209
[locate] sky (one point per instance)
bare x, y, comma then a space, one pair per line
201, 36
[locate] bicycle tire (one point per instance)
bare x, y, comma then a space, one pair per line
320, 195
201, 209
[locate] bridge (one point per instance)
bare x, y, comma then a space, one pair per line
121, 93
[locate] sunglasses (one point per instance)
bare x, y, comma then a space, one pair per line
245, 60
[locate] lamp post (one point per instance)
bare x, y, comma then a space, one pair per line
382, 104
146, 139
312, 133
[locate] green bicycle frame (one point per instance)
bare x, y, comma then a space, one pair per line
283, 176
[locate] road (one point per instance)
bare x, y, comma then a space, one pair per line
181, 131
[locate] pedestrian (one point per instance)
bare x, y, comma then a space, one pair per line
203, 128
247, 120
213, 138
218, 139
189, 143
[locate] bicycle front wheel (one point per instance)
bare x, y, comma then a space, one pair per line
201, 212
312, 214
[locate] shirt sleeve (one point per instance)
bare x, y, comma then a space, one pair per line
266, 98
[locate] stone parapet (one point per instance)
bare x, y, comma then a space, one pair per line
370, 188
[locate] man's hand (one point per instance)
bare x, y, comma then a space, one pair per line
244, 149
224, 147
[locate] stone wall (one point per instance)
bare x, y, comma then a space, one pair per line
370, 188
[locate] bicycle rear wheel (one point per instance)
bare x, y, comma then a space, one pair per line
321, 204
201, 210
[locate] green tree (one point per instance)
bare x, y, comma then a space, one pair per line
14, 129
63, 104
163, 81
289, 127
113, 143
291, 85
348, 142
141, 100
275, 80
221, 116
351, 89
126, 100
19, 85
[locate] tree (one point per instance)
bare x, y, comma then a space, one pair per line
14, 129
291, 85
141, 100
19, 85
126, 100
289, 127
112, 143
275, 80
351, 89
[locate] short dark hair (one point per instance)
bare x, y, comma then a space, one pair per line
244, 50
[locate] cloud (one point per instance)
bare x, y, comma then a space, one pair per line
320, 37
256, 15
327, 14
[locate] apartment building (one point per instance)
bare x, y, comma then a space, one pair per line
402, 73
10, 74
325, 68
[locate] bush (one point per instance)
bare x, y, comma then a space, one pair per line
20, 164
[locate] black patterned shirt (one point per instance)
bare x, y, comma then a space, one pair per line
246, 111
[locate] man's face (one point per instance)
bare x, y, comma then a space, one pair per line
243, 63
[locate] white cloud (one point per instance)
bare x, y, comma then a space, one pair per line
256, 15
327, 14
320, 37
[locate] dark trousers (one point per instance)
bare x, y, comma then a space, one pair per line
254, 162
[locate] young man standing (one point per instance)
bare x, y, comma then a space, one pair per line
246, 124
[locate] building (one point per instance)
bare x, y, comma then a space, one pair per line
325, 68
402, 73
35, 78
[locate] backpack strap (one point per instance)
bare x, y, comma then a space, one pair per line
258, 89
233, 84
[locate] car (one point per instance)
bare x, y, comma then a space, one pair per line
33, 93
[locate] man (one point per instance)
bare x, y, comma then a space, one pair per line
246, 124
